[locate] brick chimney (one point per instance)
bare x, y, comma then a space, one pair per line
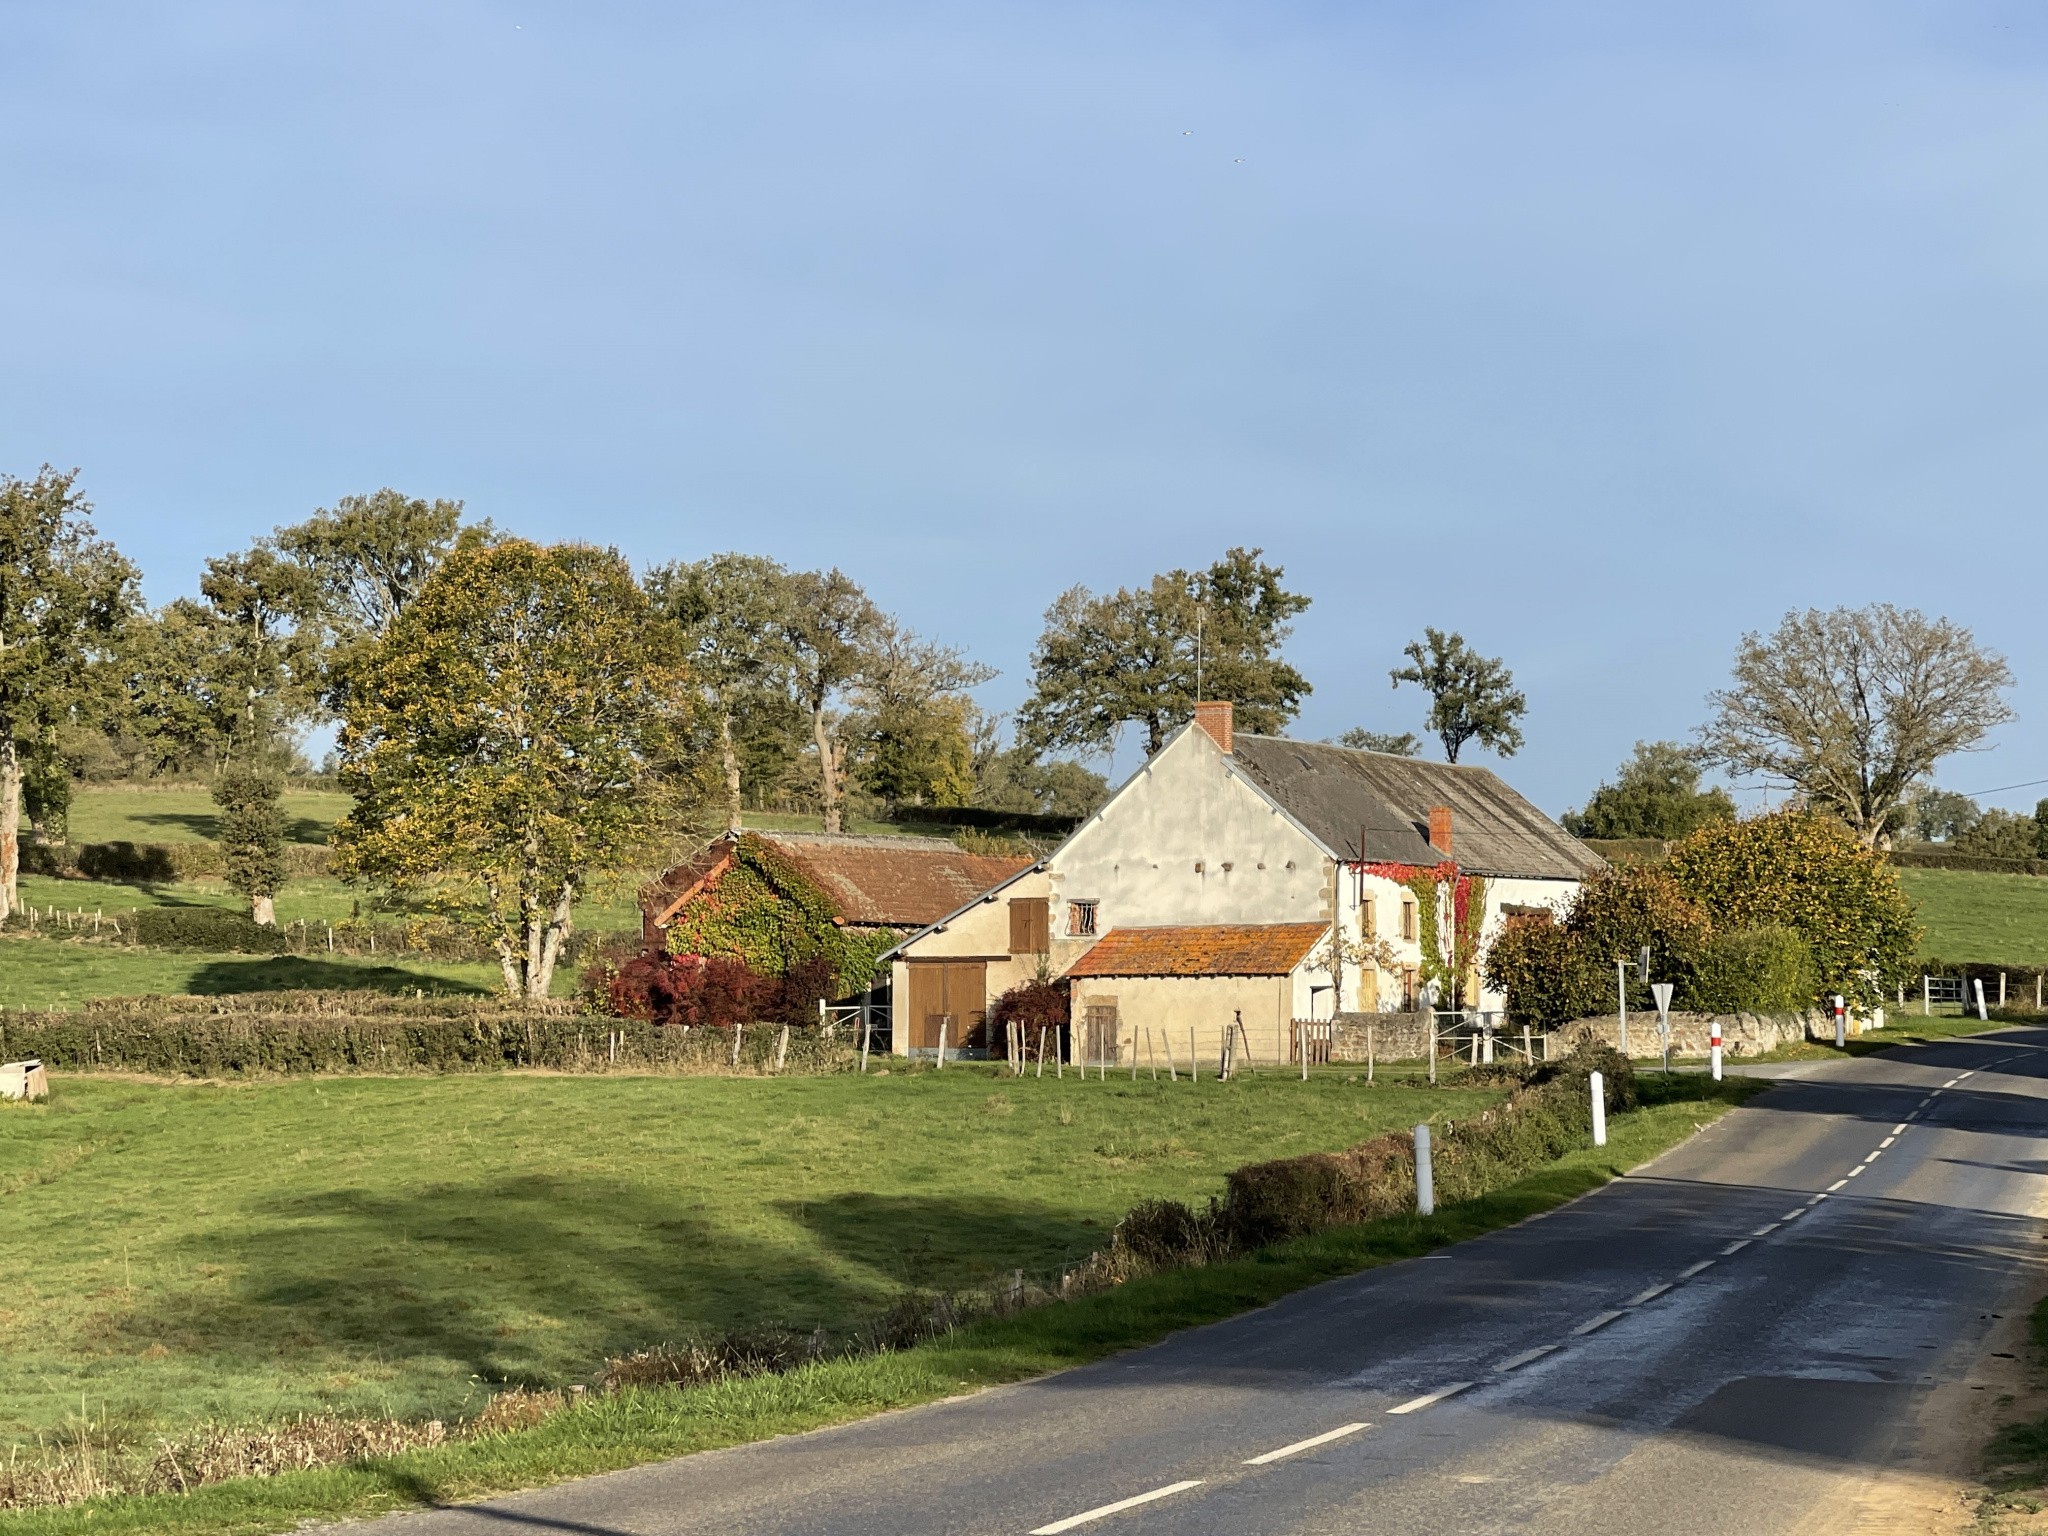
1440, 829
1214, 717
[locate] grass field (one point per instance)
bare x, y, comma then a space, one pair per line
171, 813
375, 1244
601, 1433
1980, 917
44, 973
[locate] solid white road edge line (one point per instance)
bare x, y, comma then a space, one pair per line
1309, 1444
1110, 1509
1687, 1274
1642, 1296
1591, 1323
1735, 1247
1417, 1404
1518, 1361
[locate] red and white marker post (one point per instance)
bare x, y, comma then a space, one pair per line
1841, 1022
1714, 1049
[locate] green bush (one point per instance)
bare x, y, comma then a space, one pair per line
1554, 972
1808, 873
207, 928
153, 863
1753, 970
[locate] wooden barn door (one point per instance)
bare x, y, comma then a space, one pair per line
949, 992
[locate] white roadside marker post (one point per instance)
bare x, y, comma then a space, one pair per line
1841, 1023
1978, 985
1621, 999
1599, 1087
1714, 1049
1425, 1174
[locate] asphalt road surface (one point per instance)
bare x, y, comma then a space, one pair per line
1736, 1338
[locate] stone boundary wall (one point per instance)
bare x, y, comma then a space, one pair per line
1742, 1034
1395, 1036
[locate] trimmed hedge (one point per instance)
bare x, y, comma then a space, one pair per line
312, 1032
1548, 1115
1979, 863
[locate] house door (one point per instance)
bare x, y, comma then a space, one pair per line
949, 992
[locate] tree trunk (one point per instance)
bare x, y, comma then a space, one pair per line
508, 965
828, 770
10, 826
551, 945
732, 772
263, 909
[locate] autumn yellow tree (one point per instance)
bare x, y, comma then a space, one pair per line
510, 741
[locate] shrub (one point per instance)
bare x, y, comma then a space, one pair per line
1293, 1196
1810, 874
1553, 972
133, 863
210, 928
1754, 970
1531, 960
671, 990
1162, 1234
1027, 1008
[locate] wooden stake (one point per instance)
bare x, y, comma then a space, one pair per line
1172, 1076
942, 1045
1194, 1061
1368, 1055
738, 1030
1041, 1050
782, 1048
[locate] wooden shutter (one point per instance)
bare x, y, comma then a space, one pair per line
1372, 917
1411, 928
1030, 925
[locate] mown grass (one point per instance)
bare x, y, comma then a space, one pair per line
608, 1432
1985, 918
172, 813
379, 1245
53, 973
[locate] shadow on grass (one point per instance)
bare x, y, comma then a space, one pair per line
531, 1280
947, 1244
289, 973
206, 824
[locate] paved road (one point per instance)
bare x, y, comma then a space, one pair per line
1732, 1340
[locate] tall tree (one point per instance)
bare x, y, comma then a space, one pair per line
1854, 706
829, 626
1471, 697
1146, 655
369, 556
733, 613
911, 730
252, 834
510, 740
64, 596
1656, 794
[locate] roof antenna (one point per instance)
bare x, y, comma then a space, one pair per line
1198, 652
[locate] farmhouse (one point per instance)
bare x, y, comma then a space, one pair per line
1242, 880
769, 898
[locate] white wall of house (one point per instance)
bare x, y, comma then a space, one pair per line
1158, 1015
1187, 841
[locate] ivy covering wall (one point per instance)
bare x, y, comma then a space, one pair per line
768, 913
1468, 907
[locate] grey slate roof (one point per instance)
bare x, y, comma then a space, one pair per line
1347, 797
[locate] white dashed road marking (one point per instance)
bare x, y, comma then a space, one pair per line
1836, 1185
1642, 1296
1767, 1229
1689, 1272
1110, 1509
1307, 1445
1417, 1404
1735, 1247
1527, 1355
1593, 1323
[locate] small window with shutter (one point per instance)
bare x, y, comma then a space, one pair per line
1029, 926
1370, 918
1411, 924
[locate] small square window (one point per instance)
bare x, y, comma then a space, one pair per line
1081, 919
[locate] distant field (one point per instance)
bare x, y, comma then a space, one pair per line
1980, 917
52, 973
172, 813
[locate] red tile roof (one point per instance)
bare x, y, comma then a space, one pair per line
1218, 949
894, 882
875, 882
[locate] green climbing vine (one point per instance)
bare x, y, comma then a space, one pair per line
1468, 906
765, 912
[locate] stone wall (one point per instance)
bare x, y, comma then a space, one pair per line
1395, 1036
1742, 1034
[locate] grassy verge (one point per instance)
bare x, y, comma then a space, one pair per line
1899, 1031
2016, 1459
643, 1425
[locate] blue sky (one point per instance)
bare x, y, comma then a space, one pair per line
1598, 332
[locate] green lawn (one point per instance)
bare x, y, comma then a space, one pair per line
377, 1244
45, 973
1980, 917
171, 813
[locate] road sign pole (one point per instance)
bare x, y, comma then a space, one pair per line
1598, 1084
1661, 991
